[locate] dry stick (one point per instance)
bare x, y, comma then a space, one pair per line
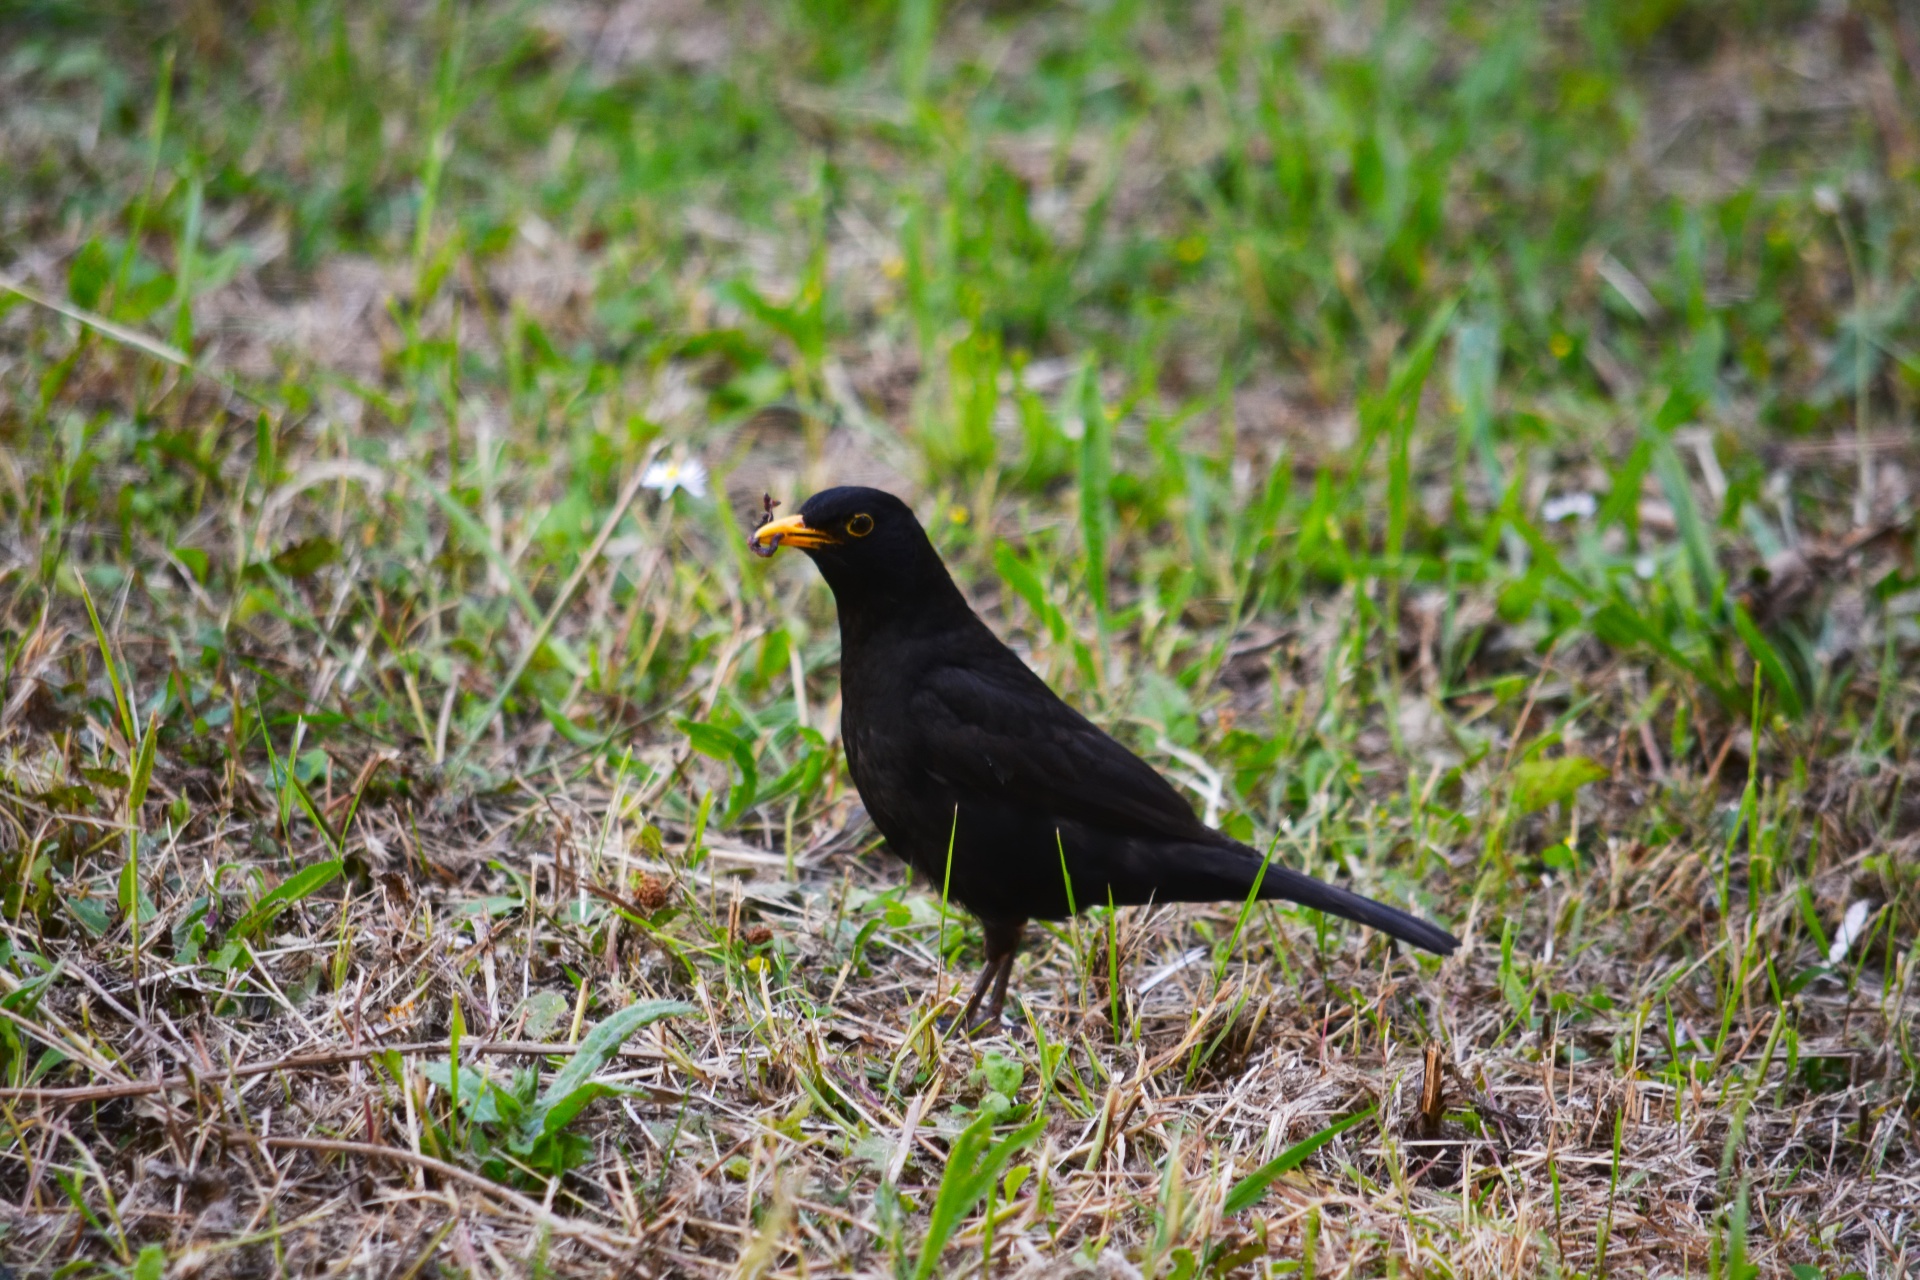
307, 1062
841, 1215
540, 633
70, 1044
1526, 712
641, 586
1713, 771
138, 1023
1654, 759
598, 1239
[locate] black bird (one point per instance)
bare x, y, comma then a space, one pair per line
984, 780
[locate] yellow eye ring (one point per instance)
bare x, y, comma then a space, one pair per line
861, 525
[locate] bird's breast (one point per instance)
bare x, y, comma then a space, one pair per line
910, 804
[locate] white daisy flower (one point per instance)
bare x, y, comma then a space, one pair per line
1569, 506
664, 477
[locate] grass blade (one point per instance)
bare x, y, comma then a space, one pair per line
1768, 659
142, 776
296, 887
972, 1167
476, 537
1247, 1192
127, 725
543, 633
1096, 480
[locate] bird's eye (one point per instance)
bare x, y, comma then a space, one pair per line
861, 525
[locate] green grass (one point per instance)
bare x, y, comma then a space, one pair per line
1470, 448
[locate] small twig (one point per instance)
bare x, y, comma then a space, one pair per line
140, 1024
312, 1062
1720, 758
72, 1045
599, 1239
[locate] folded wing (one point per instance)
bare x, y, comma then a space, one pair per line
997, 728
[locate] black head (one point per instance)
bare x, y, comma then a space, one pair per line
867, 543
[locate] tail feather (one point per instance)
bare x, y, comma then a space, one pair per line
1225, 870
1286, 883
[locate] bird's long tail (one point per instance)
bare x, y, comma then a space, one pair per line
1283, 882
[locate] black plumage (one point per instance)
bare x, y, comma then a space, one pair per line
984, 780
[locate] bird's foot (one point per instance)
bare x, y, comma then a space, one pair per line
986, 1023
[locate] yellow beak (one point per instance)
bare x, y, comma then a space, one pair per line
789, 531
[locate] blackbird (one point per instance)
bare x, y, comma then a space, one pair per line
982, 779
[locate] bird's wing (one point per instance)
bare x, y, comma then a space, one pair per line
1000, 730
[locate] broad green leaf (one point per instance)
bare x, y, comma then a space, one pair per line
196, 561
556, 1115
1539, 783
188, 939
230, 957
71, 798
92, 915
806, 771
724, 745
307, 557
600, 1044
1003, 1074
546, 1010
88, 274
479, 1095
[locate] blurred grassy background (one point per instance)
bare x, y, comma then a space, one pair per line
1469, 446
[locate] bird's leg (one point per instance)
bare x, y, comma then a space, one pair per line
987, 973
999, 998
1003, 940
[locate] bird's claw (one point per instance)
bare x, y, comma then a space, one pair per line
995, 1024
